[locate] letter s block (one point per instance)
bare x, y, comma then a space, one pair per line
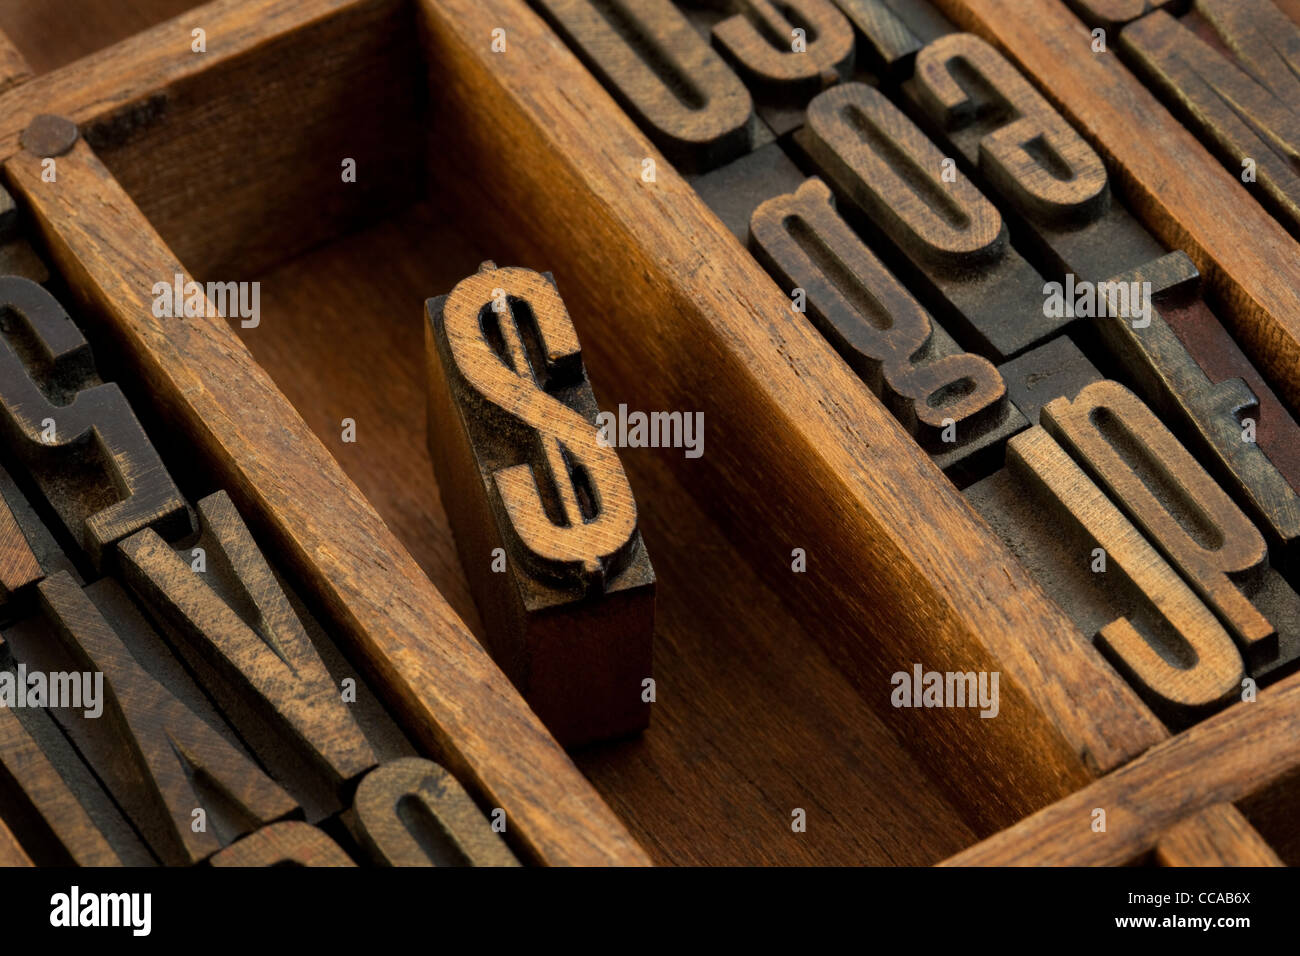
516, 452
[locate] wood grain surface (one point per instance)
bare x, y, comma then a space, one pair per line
799, 451
1217, 836
11, 852
410, 643
289, 843
732, 748
53, 33
1225, 758
1180, 191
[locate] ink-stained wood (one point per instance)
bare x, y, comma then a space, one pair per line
290, 843
165, 766
1246, 107
760, 42
11, 852
233, 624
1180, 508
1223, 759
679, 288
38, 801
432, 673
544, 517
1050, 182
1217, 836
1178, 190
739, 745
19, 567
1221, 358
1179, 657
953, 403
76, 434
782, 411
949, 238
1209, 415
49, 794
1032, 155
412, 812
735, 190
1113, 14
49, 555
663, 73
1054, 369
885, 40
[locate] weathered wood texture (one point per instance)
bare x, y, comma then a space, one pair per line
290, 843
1179, 191
1217, 836
232, 622
544, 517
432, 672
800, 452
165, 118
19, 566
11, 852
740, 745
412, 812
1228, 756
1240, 92
150, 743
53, 33
75, 434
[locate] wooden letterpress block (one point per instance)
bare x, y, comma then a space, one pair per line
975, 103
39, 539
1210, 415
1110, 579
649, 57
47, 794
412, 812
163, 758
944, 236
1245, 101
1055, 369
1112, 14
232, 623
542, 511
19, 567
290, 843
888, 39
1191, 520
953, 403
1220, 358
77, 436
735, 190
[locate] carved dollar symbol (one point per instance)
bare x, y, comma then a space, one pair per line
571, 505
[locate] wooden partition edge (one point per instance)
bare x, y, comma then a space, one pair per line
1183, 194
126, 76
670, 306
1219, 835
14, 69
449, 694
1224, 758
11, 851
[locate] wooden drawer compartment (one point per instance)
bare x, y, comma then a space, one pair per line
773, 685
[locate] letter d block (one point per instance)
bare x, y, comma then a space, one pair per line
542, 512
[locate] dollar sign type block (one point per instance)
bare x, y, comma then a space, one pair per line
542, 511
